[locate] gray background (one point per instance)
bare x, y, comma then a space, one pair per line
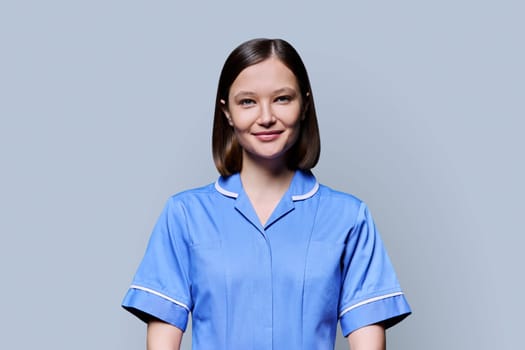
106, 110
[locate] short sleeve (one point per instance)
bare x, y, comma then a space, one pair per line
161, 287
370, 292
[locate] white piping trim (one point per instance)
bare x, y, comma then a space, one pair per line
298, 197
368, 301
160, 295
225, 192
307, 195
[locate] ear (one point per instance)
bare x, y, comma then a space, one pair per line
226, 112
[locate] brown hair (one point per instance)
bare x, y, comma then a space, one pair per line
227, 153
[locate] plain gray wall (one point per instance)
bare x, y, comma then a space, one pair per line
106, 110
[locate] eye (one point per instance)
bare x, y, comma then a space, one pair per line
246, 102
283, 99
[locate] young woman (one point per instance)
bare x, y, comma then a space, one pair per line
266, 257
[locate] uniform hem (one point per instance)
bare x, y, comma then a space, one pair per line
147, 305
388, 311
134, 286
367, 301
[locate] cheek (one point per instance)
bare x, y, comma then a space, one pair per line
239, 128
295, 123
242, 121
240, 132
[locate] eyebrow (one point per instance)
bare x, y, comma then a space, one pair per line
276, 92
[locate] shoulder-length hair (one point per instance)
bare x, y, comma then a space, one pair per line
227, 153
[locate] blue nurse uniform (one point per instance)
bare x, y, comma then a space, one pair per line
282, 285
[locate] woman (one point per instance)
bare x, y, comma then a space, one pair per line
265, 258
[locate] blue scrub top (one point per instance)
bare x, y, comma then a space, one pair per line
284, 285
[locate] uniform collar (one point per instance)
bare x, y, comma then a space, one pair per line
303, 186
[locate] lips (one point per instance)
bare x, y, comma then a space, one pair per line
269, 132
268, 135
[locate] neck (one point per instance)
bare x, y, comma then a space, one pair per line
265, 182
265, 175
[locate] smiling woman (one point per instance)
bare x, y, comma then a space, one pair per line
244, 62
266, 257
264, 108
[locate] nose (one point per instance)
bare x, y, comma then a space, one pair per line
266, 116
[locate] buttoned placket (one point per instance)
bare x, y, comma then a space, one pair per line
264, 285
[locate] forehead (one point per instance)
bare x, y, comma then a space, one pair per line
270, 74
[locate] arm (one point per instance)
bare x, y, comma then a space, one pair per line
368, 338
163, 336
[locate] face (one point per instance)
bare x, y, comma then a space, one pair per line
264, 108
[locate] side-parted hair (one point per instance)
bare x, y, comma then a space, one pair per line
227, 153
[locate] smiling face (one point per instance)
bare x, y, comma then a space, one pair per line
264, 108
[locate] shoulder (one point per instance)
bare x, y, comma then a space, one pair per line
194, 192
344, 206
329, 194
191, 197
